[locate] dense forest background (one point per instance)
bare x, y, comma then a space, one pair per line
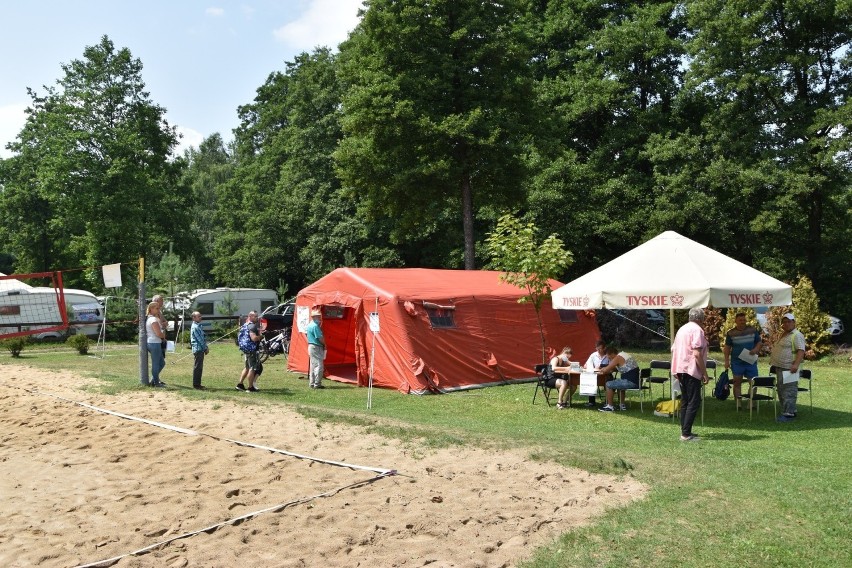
604, 123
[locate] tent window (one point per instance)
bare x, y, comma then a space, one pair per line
205, 308
332, 312
568, 316
440, 316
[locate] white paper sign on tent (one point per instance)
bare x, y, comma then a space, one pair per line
112, 275
588, 384
303, 315
374, 322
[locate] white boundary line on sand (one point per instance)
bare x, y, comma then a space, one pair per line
380, 474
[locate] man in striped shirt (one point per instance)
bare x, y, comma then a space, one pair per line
742, 338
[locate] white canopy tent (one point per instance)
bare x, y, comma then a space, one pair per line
672, 272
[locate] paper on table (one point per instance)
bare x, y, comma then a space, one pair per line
748, 357
588, 384
170, 346
789, 377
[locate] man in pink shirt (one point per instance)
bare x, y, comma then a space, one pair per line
689, 356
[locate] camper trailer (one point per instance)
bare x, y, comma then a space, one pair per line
219, 302
28, 308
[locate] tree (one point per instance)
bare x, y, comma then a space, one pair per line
171, 275
283, 212
527, 263
773, 147
208, 168
92, 181
610, 72
436, 114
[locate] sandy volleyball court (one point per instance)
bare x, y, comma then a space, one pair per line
79, 486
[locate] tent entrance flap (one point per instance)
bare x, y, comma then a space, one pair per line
344, 373
338, 328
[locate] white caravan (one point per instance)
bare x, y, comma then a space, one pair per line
219, 302
27, 308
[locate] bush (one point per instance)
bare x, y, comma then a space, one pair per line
15, 345
79, 342
809, 320
713, 323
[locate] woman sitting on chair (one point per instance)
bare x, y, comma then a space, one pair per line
626, 365
561, 364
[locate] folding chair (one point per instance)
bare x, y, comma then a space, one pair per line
710, 365
643, 377
805, 375
767, 384
545, 382
664, 376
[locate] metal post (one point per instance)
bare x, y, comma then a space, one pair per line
143, 336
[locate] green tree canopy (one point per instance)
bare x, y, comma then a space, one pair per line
92, 180
437, 111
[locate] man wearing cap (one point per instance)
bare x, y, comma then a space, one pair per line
787, 354
316, 349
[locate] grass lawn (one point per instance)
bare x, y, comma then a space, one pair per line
751, 493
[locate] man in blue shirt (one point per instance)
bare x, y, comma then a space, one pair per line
316, 349
199, 349
741, 338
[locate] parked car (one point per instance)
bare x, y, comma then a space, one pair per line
277, 318
654, 319
835, 325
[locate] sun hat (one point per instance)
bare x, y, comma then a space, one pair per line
790, 316
315, 312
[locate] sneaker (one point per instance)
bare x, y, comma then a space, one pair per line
319, 387
199, 388
622, 407
252, 389
561, 406
606, 408
241, 387
158, 384
690, 438
785, 418
590, 405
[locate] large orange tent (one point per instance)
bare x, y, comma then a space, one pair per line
425, 330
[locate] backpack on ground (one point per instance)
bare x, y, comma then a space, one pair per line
723, 386
244, 341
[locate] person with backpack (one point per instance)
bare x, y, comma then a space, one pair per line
247, 340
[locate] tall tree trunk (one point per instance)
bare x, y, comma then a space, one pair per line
467, 222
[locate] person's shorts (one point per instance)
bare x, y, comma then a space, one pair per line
252, 361
621, 384
740, 368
